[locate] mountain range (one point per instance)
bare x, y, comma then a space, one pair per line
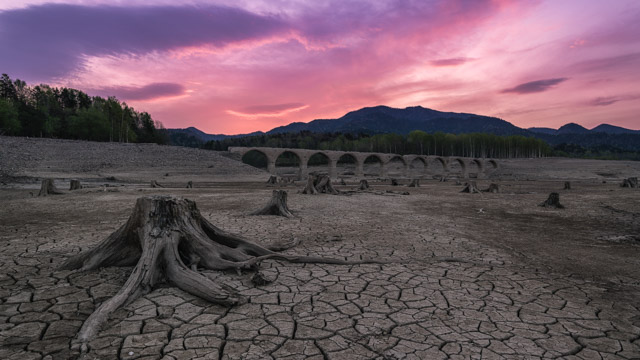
384, 119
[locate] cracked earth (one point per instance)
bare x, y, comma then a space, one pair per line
471, 276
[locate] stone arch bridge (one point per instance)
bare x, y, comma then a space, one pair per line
484, 165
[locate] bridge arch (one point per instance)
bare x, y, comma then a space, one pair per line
347, 164
395, 165
463, 166
417, 166
372, 164
290, 164
256, 158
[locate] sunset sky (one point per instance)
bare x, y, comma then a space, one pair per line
237, 66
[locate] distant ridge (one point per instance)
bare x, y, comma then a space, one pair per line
384, 119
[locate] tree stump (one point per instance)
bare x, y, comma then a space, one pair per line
276, 206
190, 185
493, 188
631, 182
553, 201
442, 178
273, 180
364, 185
415, 183
342, 182
567, 185
48, 188
471, 188
319, 184
75, 185
154, 184
394, 182
166, 238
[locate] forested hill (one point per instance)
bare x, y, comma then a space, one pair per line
384, 119
45, 111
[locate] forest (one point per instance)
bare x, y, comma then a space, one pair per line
416, 142
65, 113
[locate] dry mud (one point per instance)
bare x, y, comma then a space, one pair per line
521, 281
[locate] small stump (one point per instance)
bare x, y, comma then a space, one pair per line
493, 188
342, 182
567, 185
631, 182
190, 185
75, 185
415, 183
471, 188
48, 188
276, 206
273, 180
364, 185
553, 201
154, 184
394, 182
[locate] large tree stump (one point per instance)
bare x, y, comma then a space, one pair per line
276, 206
493, 188
310, 188
364, 185
567, 185
154, 184
471, 188
48, 188
166, 238
553, 201
414, 183
75, 185
631, 182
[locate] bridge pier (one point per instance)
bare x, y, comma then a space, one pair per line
271, 166
333, 168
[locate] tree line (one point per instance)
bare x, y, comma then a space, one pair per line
45, 111
416, 142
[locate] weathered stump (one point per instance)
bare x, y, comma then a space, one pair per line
471, 188
631, 182
273, 180
493, 188
75, 185
154, 184
167, 240
276, 206
342, 182
414, 183
319, 184
394, 182
567, 185
364, 185
48, 188
190, 185
553, 201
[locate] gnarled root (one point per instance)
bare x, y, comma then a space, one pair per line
167, 239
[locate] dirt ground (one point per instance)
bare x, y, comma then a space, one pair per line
470, 276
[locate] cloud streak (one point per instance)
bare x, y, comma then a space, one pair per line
143, 93
535, 86
274, 110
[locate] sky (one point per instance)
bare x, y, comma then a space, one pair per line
238, 66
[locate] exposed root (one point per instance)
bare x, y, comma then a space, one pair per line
167, 240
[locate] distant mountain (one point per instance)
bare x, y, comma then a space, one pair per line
384, 119
572, 128
611, 129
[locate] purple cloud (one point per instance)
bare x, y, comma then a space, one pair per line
450, 62
47, 41
535, 86
147, 92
